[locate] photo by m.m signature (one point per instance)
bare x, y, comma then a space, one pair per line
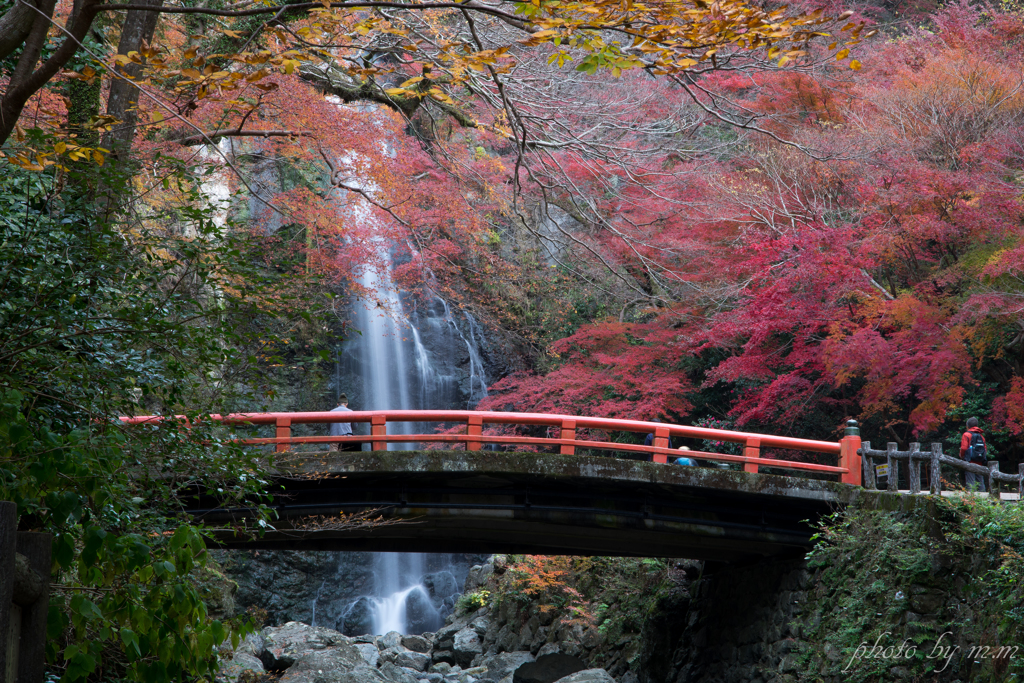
943, 651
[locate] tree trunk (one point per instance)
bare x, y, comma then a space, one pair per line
14, 27
122, 103
26, 79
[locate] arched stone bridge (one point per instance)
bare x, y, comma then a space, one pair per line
586, 495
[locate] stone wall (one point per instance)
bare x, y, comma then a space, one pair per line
742, 624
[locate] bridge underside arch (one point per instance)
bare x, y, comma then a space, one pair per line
459, 501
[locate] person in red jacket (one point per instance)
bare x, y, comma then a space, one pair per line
973, 449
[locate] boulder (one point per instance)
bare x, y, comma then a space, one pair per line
506, 639
588, 676
253, 644
441, 668
466, 645
548, 669
548, 649
334, 665
480, 625
477, 577
390, 640
416, 643
446, 635
284, 645
440, 585
357, 619
370, 653
396, 674
442, 657
432, 678
501, 665
421, 614
413, 660
231, 670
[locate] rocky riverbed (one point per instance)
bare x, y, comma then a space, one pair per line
299, 653
473, 646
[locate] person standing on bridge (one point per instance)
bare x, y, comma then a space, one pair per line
343, 428
973, 449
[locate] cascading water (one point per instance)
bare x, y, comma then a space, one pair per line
412, 352
408, 356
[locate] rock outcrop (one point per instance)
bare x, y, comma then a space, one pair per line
307, 654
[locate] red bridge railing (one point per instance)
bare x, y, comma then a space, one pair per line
848, 468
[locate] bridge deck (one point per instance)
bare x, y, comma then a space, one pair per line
446, 501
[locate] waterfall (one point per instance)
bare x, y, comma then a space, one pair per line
410, 354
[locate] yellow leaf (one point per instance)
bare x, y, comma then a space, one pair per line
98, 157
396, 92
855, 65
60, 147
843, 53
439, 95
157, 117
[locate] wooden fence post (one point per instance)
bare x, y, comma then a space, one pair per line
867, 467
848, 455
893, 465
474, 427
993, 483
568, 432
284, 431
32, 657
24, 599
378, 427
914, 469
1020, 483
752, 449
935, 470
8, 546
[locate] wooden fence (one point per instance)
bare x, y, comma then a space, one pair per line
24, 599
912, 460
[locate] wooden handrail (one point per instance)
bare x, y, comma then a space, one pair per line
567, 427
935, 457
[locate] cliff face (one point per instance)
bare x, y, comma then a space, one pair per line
332, 589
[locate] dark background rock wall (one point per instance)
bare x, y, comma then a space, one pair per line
286, 583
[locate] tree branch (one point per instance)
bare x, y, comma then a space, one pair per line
209, 137
167, 9
15, 25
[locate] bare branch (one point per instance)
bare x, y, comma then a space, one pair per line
211, 137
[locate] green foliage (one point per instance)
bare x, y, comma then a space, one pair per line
615, 594
101, 318
471, 602
909, 578
996, 531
